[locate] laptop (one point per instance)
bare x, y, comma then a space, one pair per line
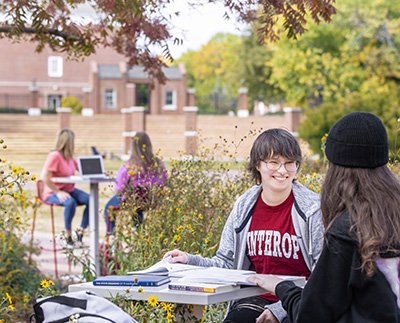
91, 167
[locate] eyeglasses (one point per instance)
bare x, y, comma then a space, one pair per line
290, 166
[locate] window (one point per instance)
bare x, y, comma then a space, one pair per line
55, 66
169, 100
110, 99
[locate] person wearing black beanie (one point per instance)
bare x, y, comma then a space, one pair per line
357, 277
359, 139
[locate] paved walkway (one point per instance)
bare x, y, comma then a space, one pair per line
45, 259
43, 239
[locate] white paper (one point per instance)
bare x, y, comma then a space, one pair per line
164, 267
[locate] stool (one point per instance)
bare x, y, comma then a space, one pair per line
39, 196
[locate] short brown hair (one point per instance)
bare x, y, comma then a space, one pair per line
273, 142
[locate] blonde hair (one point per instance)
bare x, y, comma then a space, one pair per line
65, 143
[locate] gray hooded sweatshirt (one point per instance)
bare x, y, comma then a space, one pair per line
307, 221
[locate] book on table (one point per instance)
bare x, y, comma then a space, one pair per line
165, 268
131, 280
202, 287
214, 275
225, 276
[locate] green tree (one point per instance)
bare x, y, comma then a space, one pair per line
209, 72
355, 60
253, 69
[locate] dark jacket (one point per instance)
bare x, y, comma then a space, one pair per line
338, 290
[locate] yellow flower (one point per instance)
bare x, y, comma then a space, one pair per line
45, 283
136, 138
179, 229
170, 316
189, 226
166, 306
207, 240
144, 146
140, 290
12, 308
34, 178
219, 218
9, 298
153, 300
177, 237
165, 240
201, 216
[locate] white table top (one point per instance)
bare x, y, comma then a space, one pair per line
80, 180
164, 294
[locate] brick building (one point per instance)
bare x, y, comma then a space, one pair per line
102, 82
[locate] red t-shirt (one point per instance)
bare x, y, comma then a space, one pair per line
59, 167
272, 244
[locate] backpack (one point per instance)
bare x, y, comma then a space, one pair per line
78, 307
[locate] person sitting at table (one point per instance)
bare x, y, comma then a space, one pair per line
274, 227
61, 163
357, 277
136, 177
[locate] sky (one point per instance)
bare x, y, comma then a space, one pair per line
196, 26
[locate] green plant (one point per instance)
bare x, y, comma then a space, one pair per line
72, 102
19, 275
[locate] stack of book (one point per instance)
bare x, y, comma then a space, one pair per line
131, 280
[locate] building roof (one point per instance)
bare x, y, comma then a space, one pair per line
109, 72
136, 72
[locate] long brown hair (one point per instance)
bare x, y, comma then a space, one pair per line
65, 143
142, 152
372, 198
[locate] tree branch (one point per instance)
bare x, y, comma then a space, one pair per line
50, 31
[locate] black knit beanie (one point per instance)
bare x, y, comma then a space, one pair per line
359, 139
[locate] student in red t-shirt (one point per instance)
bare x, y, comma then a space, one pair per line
275, 227
61, 163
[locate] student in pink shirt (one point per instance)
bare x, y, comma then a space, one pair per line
61, 163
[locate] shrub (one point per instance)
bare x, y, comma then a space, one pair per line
19, 275
72, 102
